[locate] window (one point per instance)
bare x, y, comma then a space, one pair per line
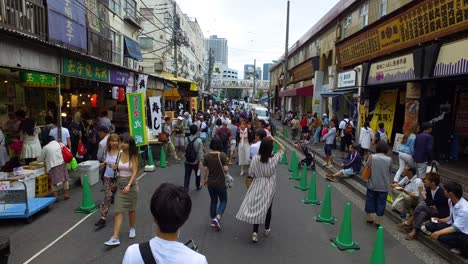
146, 43
383, 8
115, 6
116, 48
364, 14
346, 25
130, 8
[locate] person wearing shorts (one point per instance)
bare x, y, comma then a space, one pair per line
328, 139
350, 166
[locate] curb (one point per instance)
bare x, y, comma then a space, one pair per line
357, 185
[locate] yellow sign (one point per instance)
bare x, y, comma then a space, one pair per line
362, 114
428, 20
384, 111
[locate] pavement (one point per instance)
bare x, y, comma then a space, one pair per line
59, 235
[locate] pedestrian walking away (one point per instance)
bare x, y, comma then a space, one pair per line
423, 149
126, 196
365, 139
256, 206
193, 158
170, 207
214, 169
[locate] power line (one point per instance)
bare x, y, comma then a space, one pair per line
253, 51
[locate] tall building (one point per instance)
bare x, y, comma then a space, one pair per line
266, 71
220, 49
224, 72
249, 72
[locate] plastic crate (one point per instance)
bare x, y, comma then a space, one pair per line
42, 185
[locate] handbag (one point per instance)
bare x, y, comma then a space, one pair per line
73, 165
248, 181
82, 149
66, 153
366, 174
229, 180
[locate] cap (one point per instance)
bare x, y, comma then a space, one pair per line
102, 129
325, 114
186, 114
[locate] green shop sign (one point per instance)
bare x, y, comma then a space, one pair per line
35, 79
86, 70
136, 117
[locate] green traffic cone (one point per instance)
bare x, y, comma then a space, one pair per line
295, 172
378, 253
275, 148
325, 215
285, 134
344, 241
87, 204
284, 159
293, 160
312, 193
303, 183
162, 159
150, 156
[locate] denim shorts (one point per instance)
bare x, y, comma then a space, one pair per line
348, 172
375, 202
328, 149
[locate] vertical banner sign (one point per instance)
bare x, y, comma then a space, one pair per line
156, 114
362, 114
142, 83
136, 117
384, 111
67, 22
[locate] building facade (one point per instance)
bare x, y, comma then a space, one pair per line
266, 71
249, 72
220, 48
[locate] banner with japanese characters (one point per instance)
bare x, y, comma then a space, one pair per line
137, 118
156, 114
384, 111
142, 83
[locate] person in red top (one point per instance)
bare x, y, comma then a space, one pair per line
305, 127
225, 135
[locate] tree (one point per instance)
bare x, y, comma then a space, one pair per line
260, 94
234, 93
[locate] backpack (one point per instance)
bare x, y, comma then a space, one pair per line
224, 136
190, 153
383, 136
348, 127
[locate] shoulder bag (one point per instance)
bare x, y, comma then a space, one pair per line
146, 253
66, 153
366, 174
228, 178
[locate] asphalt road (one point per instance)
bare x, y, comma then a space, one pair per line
295, 237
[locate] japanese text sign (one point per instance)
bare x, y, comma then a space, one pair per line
392, 70
384, 111
118, 77
156, 114
35, 79
67, 23
86, 70
137, 118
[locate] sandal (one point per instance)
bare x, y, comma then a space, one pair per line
369, 222
410, 236
405, 224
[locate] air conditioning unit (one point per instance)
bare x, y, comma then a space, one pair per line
158, 66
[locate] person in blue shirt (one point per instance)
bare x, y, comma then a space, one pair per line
350, 166
406, 150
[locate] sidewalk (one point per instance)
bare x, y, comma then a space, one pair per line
449, 171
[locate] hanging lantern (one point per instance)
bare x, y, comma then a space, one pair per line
115, 92
94, 100
121, 95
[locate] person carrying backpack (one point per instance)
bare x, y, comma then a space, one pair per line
381, 134
193, 157
346, 132
224, 134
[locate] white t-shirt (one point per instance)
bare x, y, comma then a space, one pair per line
65, 134
203, 126
254, 149
411, 185
165, 252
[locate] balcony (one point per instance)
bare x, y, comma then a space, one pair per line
26, 16
132, 20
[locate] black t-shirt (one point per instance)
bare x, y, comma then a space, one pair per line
215, 174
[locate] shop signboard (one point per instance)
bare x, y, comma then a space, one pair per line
347, 79
85, 70
362, 115
422, 22
453, 59
392, 70
67, 23
36, 79
156, 114
411, 113
142, 84
137, 117
384, 111
118, 77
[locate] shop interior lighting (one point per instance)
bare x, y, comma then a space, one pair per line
64, 114
81, 95
83, 102
6, 81
89, 95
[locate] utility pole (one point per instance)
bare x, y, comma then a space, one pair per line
210, 69
285, 60
254, 80
175, 36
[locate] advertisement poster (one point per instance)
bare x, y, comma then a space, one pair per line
411, 113
392, 70
362, 114
142, 83
156, 114
137, 118
384, 111
67, 22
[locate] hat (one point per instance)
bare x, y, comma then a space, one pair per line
186, 114
225, 123
325, 114
102, 129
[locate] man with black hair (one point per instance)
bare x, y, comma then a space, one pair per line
346, 136
452, 230
193, 157
170, 207
423, 149
405, 193
259, 135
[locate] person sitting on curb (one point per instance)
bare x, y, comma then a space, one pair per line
350, 166
452, 230
433, 203
170, 207
405, 193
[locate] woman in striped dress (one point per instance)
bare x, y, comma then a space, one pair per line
256, 207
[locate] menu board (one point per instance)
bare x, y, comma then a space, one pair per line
461, 123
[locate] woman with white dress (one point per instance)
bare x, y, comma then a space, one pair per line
30, 136
244, 146
256, 206
365, 139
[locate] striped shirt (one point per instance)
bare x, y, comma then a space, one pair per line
259, 197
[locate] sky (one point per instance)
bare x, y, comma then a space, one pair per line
255, 29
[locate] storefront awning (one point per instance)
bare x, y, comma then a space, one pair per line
132, 49
193, 85
339, 93
216, 98
172, 94
302, 91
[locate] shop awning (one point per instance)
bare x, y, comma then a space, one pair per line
339, 93
302, 91
132, 49
216, 98
193, 85
172, 94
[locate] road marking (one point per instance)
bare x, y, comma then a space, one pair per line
66, 233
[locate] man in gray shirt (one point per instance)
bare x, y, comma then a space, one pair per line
233, 140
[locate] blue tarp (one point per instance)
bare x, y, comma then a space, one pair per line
132, 49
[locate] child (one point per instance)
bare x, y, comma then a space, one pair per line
324, 130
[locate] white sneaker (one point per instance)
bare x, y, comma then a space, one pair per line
132, 233
425, 231
254, 237
455, 251
112, 242
267, 232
